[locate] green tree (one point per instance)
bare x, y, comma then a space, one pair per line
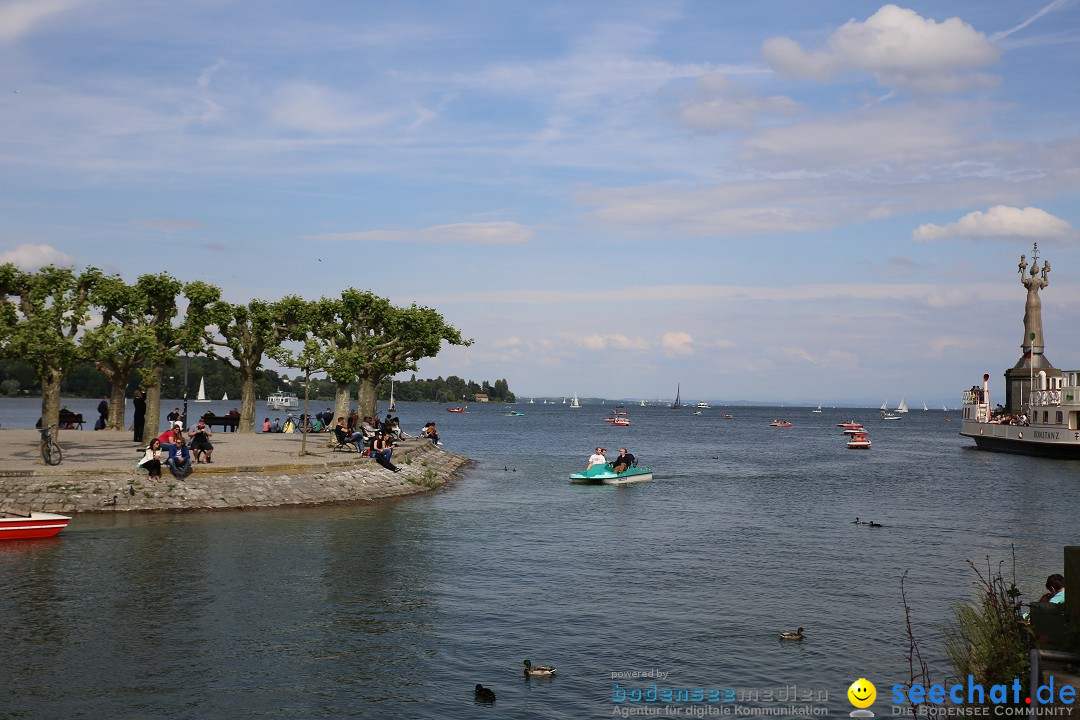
398, 339
158, 302
246, 331
121, 343
42, 316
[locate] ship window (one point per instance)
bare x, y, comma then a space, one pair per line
1057, 417
1046, 417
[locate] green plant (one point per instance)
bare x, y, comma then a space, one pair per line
989, 638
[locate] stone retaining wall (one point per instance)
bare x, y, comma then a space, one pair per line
423, 467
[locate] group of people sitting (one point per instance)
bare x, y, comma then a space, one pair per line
1001, 417
378, 440
624, 462
174, 450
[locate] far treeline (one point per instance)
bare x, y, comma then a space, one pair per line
86, 381
57, 319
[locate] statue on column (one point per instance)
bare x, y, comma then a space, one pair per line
1033, 308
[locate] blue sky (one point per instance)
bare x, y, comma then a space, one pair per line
775, 201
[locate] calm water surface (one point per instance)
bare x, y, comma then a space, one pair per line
398, 610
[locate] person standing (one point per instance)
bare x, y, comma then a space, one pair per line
103, 414
140, 414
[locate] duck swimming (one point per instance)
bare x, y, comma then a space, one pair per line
874, 524
798, 635
537, 671
484, 694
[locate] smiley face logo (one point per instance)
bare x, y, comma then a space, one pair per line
862, 693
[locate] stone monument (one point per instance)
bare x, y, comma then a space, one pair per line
1019, 378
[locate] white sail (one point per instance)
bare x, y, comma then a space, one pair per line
575, 403
902, 407
201, 397
924, 407
885, 406
225, 397
393, 407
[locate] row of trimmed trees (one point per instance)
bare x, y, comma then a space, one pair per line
57, 317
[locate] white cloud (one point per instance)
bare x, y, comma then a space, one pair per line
613, 341
321, 110
489, 233
17, 18
1001, 222
901, 48
35, 257
677, 343
720, 104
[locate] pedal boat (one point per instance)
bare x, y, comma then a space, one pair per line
604, 475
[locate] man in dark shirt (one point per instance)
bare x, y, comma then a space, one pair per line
140, 415
623, 462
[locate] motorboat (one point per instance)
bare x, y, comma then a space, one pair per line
780, 423
515, 413
604, 475
703, 405
458, 409
855, 431
727, 416
31, 526
283, 401
850, 424
858, 441
620, 421
889, 416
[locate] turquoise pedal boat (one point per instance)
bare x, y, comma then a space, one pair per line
603, 475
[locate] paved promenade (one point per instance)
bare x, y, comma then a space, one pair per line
98, 473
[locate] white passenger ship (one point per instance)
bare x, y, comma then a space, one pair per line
1041, 412
283, 401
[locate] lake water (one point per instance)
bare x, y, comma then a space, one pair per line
397, 610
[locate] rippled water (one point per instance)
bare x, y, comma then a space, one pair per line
398, 610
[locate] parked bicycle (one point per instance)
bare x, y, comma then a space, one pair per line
50, 451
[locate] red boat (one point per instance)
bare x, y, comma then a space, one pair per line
456, 409
34, 525
849, 425
780, 423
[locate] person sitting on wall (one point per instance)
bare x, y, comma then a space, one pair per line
169, 436
174, 415
266, 425
382, 449
430, 433
179, 460
276, 427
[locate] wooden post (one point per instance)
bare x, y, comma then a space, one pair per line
1072, 582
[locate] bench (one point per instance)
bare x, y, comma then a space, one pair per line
227, 422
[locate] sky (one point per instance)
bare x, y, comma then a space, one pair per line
772, 201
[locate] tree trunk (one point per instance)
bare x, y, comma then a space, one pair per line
367, 396
117, 402
153, 403
50, 399
341, 407
247, 403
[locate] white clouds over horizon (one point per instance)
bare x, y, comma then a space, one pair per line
902, 49
487, 233
1001, 222
34, 257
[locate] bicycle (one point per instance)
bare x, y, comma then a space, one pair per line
50, 451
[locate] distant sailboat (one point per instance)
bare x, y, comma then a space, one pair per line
575, 403
393, 405
924, 407
201, 397
676, 405
885, 406
902, 407
818, 408
945, 408
225, 397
